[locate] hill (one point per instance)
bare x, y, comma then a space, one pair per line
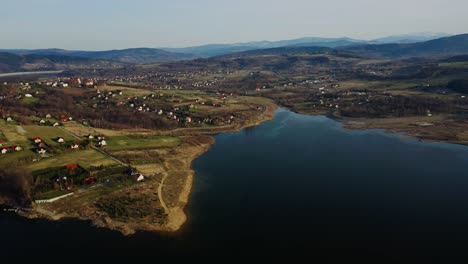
134, 55
453, 45
222, 49
409, 38
280, 51
33, 62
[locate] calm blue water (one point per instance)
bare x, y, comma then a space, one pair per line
304, 185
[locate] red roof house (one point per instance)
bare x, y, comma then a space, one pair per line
72, 166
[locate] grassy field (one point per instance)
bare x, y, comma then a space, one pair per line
13, 134
85, 158
48, 134
11, 159
30, 100
125, 90
132, 142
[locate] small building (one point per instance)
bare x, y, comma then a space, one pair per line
18, 148
60, 140
28, 95
9, 119
48, 116
37, 140
72, 166
56, 124
102, 143
42, 151
42, 121
4, 151
75, 146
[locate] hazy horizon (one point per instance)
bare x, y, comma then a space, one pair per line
104, 25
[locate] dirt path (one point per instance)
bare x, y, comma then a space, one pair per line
96, 148
160, 196
20, 130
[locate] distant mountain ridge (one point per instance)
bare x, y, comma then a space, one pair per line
409, 38
221, 49
36, 62
454, 45
57, 59
133, 55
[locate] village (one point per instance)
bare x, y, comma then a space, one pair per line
82, 142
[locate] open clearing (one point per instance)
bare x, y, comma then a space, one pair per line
47, 133
132, 142
86, 158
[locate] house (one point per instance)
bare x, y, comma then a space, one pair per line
102, 143
48, 116
42, 121
56, 124
28, 95
37, 140
18, 148
89, 83
188, 119
71, 166
64, 119
41, 145
137, 176
140, 177
75, 146
90, 180
90, 137
42, 151
60, 140
9, 119
4, 150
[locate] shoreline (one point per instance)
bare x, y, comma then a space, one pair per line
443, 130
176, 215
180, 217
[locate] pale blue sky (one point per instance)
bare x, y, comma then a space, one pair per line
116, 24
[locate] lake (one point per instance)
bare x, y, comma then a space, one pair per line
297, 184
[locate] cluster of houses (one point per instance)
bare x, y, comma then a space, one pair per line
44, 122
101, 140
40, 146
72, 82
8, 149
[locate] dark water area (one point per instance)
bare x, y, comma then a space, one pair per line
298, 185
